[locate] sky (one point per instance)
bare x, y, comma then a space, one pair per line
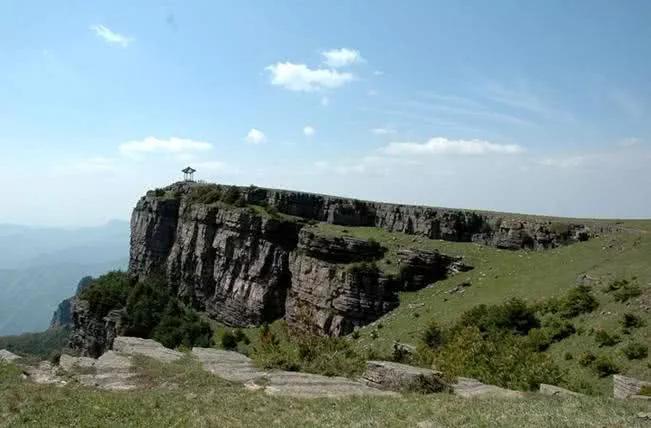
535, 107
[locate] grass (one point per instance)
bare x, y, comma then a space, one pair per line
181, 394
531, 275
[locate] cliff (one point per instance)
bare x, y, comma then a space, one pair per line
246, 256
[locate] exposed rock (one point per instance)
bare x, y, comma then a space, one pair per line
469, 388
420, 267
403, 378
557, 391
92, 336
236, 367
340, 249
45, 373
8, 356
626, 387
62, 316
111, 371
147, 347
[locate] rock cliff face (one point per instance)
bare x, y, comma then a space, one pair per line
62, 316
223, 253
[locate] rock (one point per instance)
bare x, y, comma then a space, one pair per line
469, 388
8, 356
557, 391
644, 415
92, 336
236, 367
147, 347
625, 387
45, 373
419, 267
640, 397
62, 316
403, 378
111, 371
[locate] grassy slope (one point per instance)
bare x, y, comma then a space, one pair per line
181, 394
501, 274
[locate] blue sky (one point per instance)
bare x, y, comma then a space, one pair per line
538, 107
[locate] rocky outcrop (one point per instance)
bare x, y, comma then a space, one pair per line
7, 356
403, 378
557, 391
472, 388
62, 316
145, 347
628, 387
92, 336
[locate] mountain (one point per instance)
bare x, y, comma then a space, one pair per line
39, 267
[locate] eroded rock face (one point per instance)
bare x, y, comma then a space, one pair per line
403, 378
92, 336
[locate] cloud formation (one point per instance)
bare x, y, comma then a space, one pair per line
382, 131
172, 145
111, 37
444, 146
309, 131
337, 58
300, 77
255, 136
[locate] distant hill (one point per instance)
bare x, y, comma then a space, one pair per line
39, 267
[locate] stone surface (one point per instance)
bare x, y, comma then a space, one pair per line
7, 356
470, 388
62, 316
402, 377
239, 368
557, 391
146, 347
625, 387
111, 371
45, 373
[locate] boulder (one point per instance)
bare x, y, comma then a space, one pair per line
470, 388
398, 377
147, 347
557, 391
7, 356
626, 387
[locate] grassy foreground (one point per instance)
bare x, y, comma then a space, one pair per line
181, 394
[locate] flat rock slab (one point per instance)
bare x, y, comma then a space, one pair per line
45, 373
8, 356
626, 387
239, 368
111, 371
469, 388
402, 377
557, 391
147, 347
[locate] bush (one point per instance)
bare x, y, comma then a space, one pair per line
636, 351
627, 292
41, 345
363, 269
646, 391
568, 356
206, 194
630, 321
108, 292
513, 316
231, 195
557, 328
229, 341
603, 338
604, 366
432, 337
578, 300
587, 358
499, 359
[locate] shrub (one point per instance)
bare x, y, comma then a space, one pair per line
586, 359
578, 300
539, 339
630, 321
646, 391
363, 269
108, 292
603, 338
240, 202
231, 195
241, 337
627, 292
513, 316
229, 341
432, 337
500, 359
568, 356
615, 285
636, 351
557, 328
206, 194
159, 193
604, 366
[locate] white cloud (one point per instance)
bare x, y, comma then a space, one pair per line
255, 136
563, 162
382, 131
444, 146
325, 101
337, 58
629, 142
173, 145
309, 131
378, 73
110, 36
299, 77
371, 92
